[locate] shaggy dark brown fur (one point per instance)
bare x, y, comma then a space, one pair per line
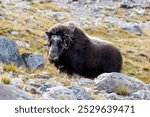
83, 57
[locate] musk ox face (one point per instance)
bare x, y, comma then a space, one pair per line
57, 44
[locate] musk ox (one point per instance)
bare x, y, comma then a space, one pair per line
72, 51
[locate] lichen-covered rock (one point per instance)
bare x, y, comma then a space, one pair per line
80, 93
12, 93
118, 83
59, 93
141, 95
9, 52
148, 86
33, 61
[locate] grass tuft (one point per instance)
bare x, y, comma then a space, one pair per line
123, 91
5, 79
10, 67
66, 82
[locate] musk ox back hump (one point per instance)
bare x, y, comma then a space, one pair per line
97, 60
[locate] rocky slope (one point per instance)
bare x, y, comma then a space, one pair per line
22, 28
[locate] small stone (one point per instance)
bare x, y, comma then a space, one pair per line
30, 89
113, 96
33, 90
148, 86
45, 86
16, 81
1, 17
80, 93
127, 4
42, 89
1, 68
14, 33
43, 76
141, 12
32, 82
22, 44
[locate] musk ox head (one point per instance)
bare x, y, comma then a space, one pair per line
61, 38
58, 42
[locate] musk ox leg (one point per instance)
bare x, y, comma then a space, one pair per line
111, 67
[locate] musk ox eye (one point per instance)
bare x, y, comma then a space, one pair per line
60, 44
66, 36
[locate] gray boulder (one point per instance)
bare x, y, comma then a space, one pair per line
118, 83
12, 93
59, 93
80, 93
9, 52
33, 61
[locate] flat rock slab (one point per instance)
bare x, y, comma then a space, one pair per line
13, 93
141, 95
59, 93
